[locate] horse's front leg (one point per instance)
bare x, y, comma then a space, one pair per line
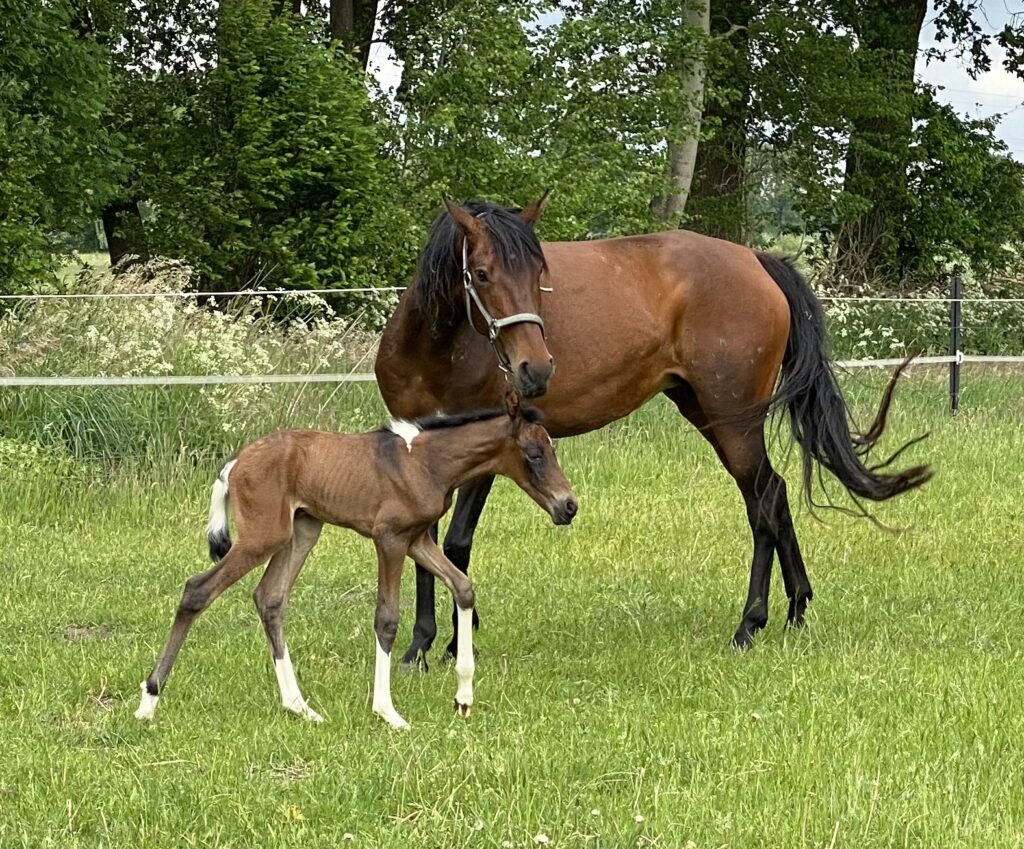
458, 542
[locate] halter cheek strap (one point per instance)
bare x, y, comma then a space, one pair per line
494, 325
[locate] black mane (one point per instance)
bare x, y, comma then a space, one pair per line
439, 275
440, 421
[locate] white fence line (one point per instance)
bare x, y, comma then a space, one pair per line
369, 377
285, 293
244, 293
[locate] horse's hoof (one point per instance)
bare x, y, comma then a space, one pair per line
414, 666
742, 640
461, 709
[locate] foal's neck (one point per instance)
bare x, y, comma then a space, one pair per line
462, 453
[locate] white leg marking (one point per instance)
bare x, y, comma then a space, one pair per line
382, 705
464, 662
291, 696
147, 704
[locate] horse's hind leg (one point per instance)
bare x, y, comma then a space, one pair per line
742, 451
794, 573
200, 592
271, 597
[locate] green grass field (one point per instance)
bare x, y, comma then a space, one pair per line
610, 710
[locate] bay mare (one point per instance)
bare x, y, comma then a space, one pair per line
391, 485
728, 334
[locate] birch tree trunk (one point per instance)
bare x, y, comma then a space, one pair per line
682, 146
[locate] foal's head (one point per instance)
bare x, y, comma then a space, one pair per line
529, 459
504, 262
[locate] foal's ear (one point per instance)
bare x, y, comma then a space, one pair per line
531, 213
471, 226
513, 404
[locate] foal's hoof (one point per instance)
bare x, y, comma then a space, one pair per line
393, 718
743, 639
461, 709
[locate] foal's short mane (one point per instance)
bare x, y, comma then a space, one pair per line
440, 421
439, 275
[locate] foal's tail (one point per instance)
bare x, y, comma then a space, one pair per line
818, 413
217, 535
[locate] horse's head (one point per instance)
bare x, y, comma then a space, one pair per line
500, 265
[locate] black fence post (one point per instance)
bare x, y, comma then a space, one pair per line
955, 300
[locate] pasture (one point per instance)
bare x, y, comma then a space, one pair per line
610, 712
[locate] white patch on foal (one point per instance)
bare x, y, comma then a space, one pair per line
291, 696
147, 704
382, 704
464, 661
218, 523
407, 430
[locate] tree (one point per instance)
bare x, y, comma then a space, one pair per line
721, 188
691, 67
878, 155
58, 155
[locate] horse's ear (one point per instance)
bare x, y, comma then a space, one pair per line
531, 213
513, 404
471, 226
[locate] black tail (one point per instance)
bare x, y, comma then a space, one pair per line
219, 543
820, 419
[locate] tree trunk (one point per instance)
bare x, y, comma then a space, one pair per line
878, 154
351, 26
682, 147
122, 226
718, 199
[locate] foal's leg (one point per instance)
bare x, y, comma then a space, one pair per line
390, 559
427, 552
271, 597
458, 542
200, 592
424, 630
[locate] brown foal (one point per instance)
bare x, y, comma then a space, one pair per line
391, 485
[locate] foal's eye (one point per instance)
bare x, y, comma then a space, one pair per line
481, 275
534, 455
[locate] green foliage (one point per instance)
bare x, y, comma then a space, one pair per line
495, 105
966, 196
269, 171
58, 156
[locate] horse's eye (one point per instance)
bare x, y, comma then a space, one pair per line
481, 275
534, 455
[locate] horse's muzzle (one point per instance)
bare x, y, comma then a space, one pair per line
531, 381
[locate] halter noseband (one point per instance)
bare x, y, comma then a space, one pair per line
494, 325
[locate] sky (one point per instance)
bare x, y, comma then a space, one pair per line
995, 92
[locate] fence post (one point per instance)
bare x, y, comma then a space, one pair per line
955, 300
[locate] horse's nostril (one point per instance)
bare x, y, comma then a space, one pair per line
571, 507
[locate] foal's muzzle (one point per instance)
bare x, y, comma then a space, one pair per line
564, 510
